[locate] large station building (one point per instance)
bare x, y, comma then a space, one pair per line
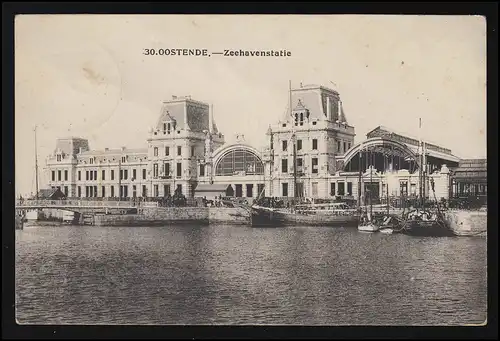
186, 152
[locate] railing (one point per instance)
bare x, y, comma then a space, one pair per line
83, 203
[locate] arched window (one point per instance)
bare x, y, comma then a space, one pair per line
155, 151
239, 160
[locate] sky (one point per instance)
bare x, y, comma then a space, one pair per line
88, 76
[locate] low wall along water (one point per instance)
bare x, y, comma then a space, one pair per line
176, 215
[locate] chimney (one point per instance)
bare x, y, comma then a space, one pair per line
340, 110
123, 148
106, 149
174, 97
328, 110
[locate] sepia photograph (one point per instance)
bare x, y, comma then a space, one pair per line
316, 170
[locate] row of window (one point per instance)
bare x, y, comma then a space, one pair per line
167, 151
60, 175
91, 175
314, 189
123, 191
284, 145
300, 165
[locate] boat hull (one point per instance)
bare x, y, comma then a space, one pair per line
269, 217
368, 228
427, 229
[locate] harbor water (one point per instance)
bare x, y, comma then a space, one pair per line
241, 275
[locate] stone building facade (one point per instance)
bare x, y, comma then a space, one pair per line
310, 152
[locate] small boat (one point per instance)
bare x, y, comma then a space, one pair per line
368, 227
386, 230
264, 213
426, 223
368, 224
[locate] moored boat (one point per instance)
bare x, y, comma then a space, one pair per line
310, 214
426, 223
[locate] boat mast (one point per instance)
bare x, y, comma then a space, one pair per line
120, 178
36, 166
294, 138
360, 172
371, 186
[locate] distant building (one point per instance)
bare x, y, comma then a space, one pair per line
185, 149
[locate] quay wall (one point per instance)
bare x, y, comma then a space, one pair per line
467, 223
160, 216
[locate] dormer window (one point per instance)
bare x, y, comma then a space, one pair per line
91, 160
124, 158
155, 151
59, 157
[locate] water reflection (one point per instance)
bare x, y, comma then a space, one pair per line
239, 275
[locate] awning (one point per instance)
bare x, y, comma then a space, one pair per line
212, 188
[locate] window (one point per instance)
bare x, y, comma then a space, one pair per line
155, 151
134, 191
202, 170
79, 190
95, 191
314, 161
112, 174
144, 174
300, 164
338, 146
179, 169
314, 189
315, 144
112, 191
345, 147
91, 160
156, 190
103, 189
125, 174
166, 190
164, 128
124, 158
166, 168
95, 175
284, 189
179, 188
179, 150
167, 151
79, 176
58, 157
168, 128
86, 175
285, 145
349, 188
341, 188
134, 174
155, 170
239, 160
332, 188
103, 174
299, 144
53, 175
144, 190
121, 174
65, 175
284, 165
349, 145
301, 118
59, 175
192, 150
66, 190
